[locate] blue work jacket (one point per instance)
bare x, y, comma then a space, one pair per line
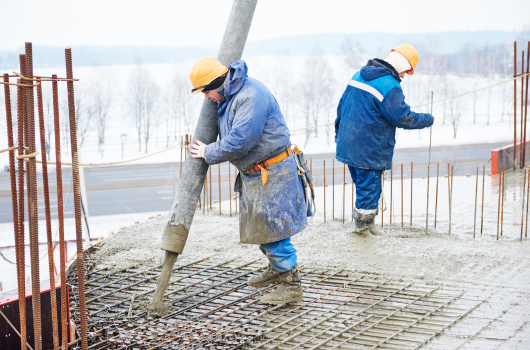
370, 110
251, 125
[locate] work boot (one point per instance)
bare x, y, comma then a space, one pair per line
375, 230
290, 291
364, 232
267, 277
363, 221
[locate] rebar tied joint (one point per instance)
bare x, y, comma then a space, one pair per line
174, 238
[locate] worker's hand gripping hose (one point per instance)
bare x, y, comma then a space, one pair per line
197, 149
306, 177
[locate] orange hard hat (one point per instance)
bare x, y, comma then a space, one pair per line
205, 71
410, 53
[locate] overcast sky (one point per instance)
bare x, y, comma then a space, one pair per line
202, 22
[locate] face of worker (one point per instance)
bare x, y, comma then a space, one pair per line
213, 95
402, 75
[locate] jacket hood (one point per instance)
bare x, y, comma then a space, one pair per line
377, 68
237, 74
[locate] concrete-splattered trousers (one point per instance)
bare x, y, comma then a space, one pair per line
368, 191
271, 214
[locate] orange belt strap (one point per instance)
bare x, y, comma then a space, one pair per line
274, 160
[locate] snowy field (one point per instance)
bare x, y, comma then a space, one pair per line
305, 97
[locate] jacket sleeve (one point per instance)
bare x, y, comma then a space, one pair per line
247, 127
398, 113
337, 121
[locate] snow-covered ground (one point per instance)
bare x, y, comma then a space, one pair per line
483, 117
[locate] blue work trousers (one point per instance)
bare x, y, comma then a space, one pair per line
281, 254
367, 186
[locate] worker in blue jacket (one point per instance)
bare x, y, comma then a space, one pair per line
370, 110
254, 137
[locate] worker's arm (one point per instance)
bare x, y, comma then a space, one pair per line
337, 121
398, 113
247, 127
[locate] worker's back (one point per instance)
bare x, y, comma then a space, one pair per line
369, 111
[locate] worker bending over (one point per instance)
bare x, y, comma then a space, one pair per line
253, 136
370, 110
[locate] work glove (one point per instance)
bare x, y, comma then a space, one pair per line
197, 149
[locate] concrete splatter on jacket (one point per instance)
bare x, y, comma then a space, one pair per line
251, 125
370, 110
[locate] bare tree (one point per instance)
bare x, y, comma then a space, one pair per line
141, 100
83, 116
455, 113
472, 62
100, 99
47, 102
282, 78
352, 52
489, 67
183, 103
315, 91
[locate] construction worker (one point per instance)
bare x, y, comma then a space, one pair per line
370, 110
254, 137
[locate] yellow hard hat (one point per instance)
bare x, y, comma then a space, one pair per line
205, 71
410, 53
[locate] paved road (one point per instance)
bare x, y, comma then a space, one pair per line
148, 188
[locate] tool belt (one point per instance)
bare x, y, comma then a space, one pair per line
267, 163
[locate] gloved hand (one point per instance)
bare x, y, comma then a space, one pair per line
197, 149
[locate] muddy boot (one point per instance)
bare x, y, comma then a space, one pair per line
375, 230
363, 220
267, 277
290, 291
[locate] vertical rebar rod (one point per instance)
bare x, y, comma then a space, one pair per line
219, 182
324, 161
204, 190
514, 104
14, 198
391, 178
60, 214
49, 238
499, 203
451, 204
236, 173
210, 171
527, 198
475, 216
229, 187
436, 201
21, 266
482, 209
411, 177
449, 193
32, 204
522, 116
502, 198
427, 210
522, 211
77, 202
352, 201
343, 192
401, 194
333, 190
526, 102
382, 193
429, 171
181, 149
